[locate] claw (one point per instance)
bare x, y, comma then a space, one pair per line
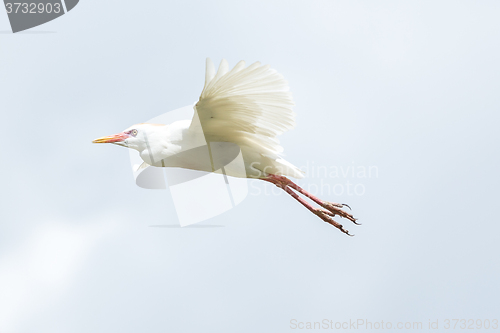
333, 204
345, 231
346, 205
326, 216
356, 223
335, 209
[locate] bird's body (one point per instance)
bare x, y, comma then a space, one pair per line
173, 146
239, 110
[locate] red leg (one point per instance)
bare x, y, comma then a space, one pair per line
326, 215
334, 208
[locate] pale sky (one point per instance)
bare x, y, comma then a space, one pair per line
406, 88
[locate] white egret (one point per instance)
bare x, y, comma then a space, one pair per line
245, 106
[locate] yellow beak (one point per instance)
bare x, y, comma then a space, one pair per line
112, 138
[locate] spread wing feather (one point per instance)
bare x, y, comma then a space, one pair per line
249, 106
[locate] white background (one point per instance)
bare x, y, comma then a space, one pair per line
410, 87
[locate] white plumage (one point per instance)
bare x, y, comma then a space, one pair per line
249, 106
245, 107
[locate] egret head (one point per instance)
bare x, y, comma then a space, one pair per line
137, 137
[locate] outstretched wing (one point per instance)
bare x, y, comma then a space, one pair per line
248, 106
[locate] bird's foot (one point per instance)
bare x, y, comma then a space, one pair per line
328, 210
336, 209
327, 216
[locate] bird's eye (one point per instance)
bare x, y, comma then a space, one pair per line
133, 132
